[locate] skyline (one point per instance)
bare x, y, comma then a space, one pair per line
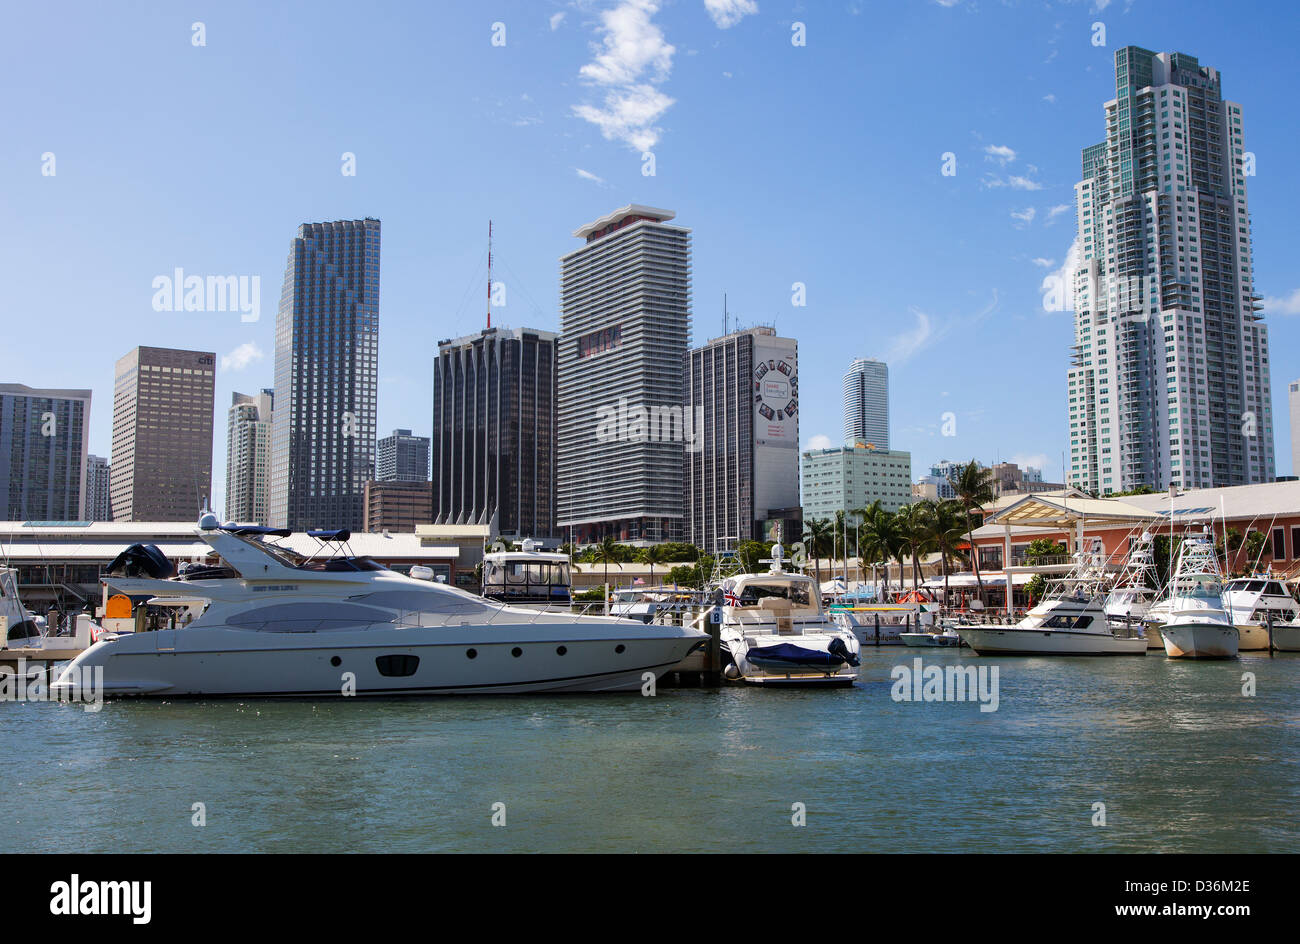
900, 262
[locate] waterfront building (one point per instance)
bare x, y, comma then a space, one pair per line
494, 457
43, 436
99, 507
248, 457
163, 405
866, 403
621, 434
397, 506
402, 457
844, 478
1169, 380
742, 463
326, 376
933, 488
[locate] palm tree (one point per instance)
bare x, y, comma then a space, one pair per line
914, 529
947, 524
608, 551
881, 539
974, 488
817, 533
654, 554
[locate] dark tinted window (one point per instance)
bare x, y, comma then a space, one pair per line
397, 666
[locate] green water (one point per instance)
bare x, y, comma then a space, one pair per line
1181, 759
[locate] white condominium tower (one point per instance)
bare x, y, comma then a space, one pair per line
866, 403
1169, 382
248, 457
621, 430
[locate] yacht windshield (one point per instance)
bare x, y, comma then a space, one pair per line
796, 593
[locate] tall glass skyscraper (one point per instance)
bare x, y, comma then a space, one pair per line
1169, 380
43, 453
626, 320
866, 403
494, 432
248, 457
326, 374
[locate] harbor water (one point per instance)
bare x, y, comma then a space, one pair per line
1182, 760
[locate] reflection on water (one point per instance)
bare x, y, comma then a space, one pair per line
1181, 759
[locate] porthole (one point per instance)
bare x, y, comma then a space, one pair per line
516, 652
561, 650
471, 653
620, 647
335, 661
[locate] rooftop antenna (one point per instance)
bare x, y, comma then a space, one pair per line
724, 314
489, 285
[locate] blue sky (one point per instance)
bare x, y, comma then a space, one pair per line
818, 164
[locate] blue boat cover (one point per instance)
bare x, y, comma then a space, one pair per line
785, 655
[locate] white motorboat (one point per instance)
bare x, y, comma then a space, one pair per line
1286, 638
19, 627
1198, 626
948, 636
276, 623
1070, 620
1249, 601
776, 633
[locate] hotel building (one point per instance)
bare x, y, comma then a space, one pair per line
326, 375
626, 319
163, 404
1169, 381
848, 477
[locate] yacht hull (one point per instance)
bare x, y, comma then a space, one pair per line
793, 675
928, 639
1286, 638
1010, 641
1200, 640
222, 662
1253, 637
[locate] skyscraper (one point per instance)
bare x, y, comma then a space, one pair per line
43, 453
98, 505
626, 320
326, 373
248, 457
866, 403
742, 455
494, 431
1293, 409
1169, 382
162, 434
402, 457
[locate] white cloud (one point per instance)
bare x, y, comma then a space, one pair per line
1037, 460
1045, 263
907, 344
588, 175
818, 442
556, 20
1289, 305
1056, 211
242, 356
727, 13
1058, 286
1025, 216
1023, 183
1000, 153
1049, 98
631, 59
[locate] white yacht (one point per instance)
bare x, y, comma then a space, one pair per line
19, 627
1197, 625
1132, 595
776, 633
1250, 600
1070, 620
527, 577
276, 623
1286, 638
947, 636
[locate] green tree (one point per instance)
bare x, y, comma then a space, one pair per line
914, 528
947, 525
751, 553
882, 539
974, 487
817, 537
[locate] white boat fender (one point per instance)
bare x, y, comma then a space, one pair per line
731, 672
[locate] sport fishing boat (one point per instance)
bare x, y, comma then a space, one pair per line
1286, 638
776, 633
1070, 620
278, 623
1250, 601
1198, 626
1132, 595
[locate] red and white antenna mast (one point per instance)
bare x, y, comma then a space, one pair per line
489, 297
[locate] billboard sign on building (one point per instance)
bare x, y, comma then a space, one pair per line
776, 396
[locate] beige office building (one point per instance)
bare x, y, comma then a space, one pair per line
163, 402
